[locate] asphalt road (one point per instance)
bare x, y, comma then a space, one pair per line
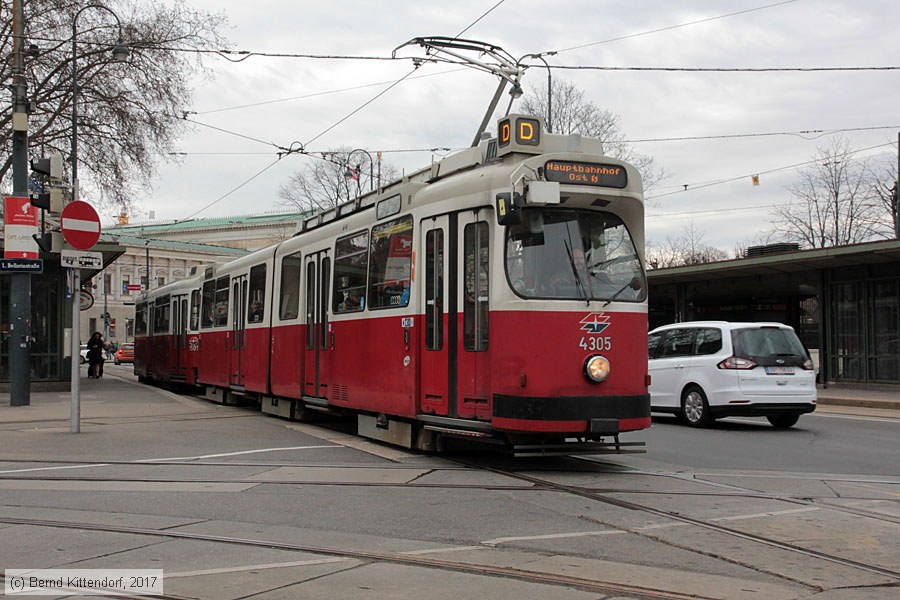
822, 442
232, 504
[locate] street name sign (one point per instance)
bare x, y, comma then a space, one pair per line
21, 265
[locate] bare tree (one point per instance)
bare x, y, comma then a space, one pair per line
572, 113
129, 114
686, 249
883, 188
323, 182
834, 203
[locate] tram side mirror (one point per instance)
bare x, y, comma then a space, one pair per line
509, 208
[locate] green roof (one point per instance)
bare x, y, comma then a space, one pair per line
161, 227
158, 244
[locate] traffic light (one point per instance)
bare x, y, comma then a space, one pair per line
51, 200
49, 241
50, 167
46, 193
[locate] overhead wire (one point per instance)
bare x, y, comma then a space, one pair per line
669, 28
693, 187
302, 148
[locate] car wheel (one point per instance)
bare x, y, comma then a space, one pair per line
695, 408
783, 421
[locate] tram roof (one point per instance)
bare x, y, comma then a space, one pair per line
867, 253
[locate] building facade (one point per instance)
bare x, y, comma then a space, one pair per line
844, 302
115, 288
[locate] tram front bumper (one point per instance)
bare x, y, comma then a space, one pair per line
603, 415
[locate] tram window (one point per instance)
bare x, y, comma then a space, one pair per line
388, 207
220, 314
475, 300
195, 310
351, 260
140, 319
256, 305
391, 266
161, 315
310, 305
323, 307
573, 255
208, 310
291, 267
434, 289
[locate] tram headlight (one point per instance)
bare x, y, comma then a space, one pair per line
596, 368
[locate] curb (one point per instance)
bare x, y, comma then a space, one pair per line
860, 402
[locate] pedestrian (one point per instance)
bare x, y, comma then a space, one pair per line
96, 346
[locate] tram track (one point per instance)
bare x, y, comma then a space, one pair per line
733, 491
531, 484
407, 559
675, 516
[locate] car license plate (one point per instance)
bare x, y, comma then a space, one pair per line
780, 370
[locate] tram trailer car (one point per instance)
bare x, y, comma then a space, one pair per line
166, 330
497, 295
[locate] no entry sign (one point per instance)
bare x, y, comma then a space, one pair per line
80, 225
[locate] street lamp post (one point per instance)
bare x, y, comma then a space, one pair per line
120, 53
350, 172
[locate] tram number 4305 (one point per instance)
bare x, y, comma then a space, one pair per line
595, 343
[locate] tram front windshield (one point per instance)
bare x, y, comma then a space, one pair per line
573, 255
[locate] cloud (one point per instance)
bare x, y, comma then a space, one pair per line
445, 109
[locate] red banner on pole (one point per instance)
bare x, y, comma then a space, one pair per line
20, 220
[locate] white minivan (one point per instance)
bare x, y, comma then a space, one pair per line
703, 370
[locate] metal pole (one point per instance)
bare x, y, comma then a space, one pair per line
76, 287
549, 118
105, 307
76, 352
20, 283
897, 193
75, 370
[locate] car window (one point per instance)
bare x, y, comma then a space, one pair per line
708, 341
653, 344
677, 343
766, 341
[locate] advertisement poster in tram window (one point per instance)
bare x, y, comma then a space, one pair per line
399, 258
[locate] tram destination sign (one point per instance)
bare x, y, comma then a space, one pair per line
585, 173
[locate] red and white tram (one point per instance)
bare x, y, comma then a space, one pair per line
498, 294
166, 333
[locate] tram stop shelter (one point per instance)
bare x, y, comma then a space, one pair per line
844, 303
51, 319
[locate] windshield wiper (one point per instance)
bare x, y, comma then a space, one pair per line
633, 284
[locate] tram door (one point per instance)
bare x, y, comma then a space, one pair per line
238, 328
455, 289
179, 333
316, 280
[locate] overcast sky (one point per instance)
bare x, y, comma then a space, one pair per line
278, 100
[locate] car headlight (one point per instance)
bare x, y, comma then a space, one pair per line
596, 368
